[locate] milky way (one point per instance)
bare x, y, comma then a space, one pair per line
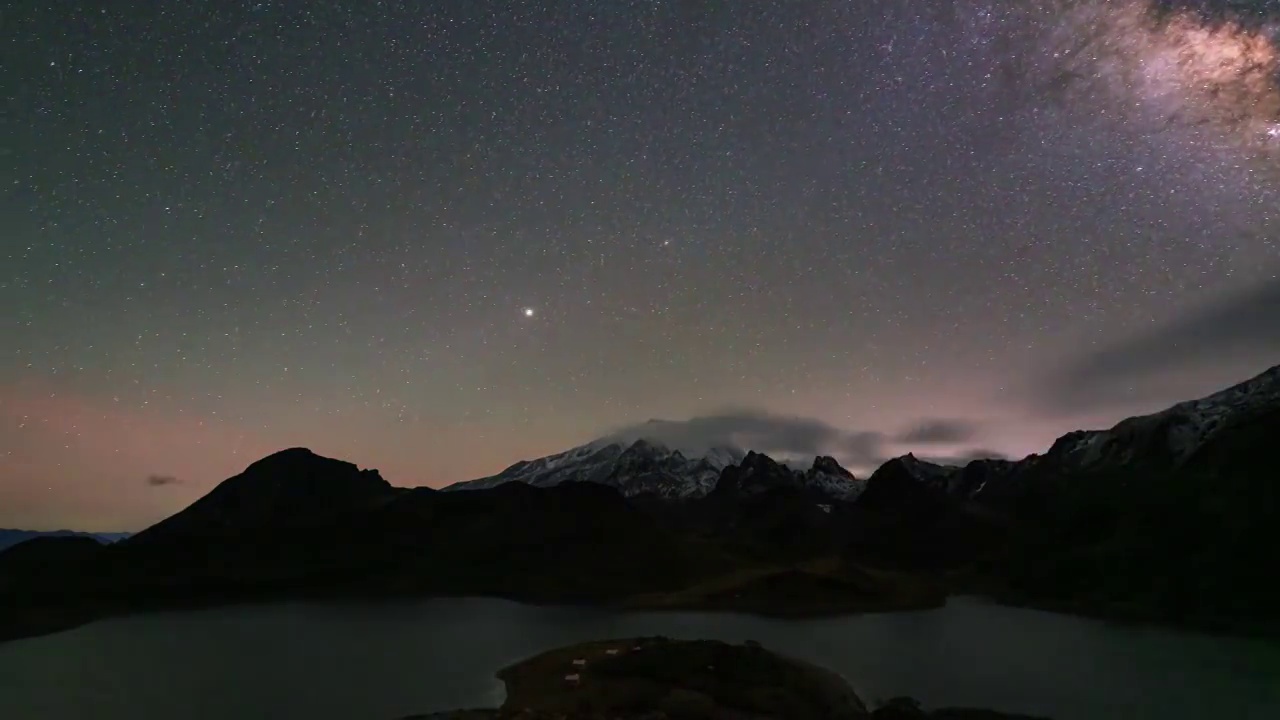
439, 237
1191, 90
1164, 69
1170, 68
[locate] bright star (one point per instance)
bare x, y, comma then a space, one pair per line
529, 312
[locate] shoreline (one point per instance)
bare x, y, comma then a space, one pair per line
1130, 617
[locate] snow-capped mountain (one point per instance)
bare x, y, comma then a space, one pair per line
1174, 435
1146, 445
647, 467
1163, 440
829, 478
635, 468
758, 473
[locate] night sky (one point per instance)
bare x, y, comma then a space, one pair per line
439, 237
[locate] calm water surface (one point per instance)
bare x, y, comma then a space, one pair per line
381, 662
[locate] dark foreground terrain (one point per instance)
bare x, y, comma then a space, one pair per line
661, 679
1171, 518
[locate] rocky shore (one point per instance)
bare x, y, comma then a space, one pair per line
661, 679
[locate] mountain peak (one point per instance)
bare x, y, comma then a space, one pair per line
632, 465
921, 469
828, 464
301, 465
758, 473
1170, 437
904, 481
830, 477
289, 457
290, 487
757, 459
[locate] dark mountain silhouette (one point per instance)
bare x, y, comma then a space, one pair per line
1173, 514
907, 519
293, 487
757, 473
47, 556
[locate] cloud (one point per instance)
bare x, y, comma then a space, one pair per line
1238, 328
162, 480
938, 431
778, 436
861, 448
964, 458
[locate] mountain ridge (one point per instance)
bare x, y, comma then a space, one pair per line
639, 466
648, 467
1182, 428
293, 486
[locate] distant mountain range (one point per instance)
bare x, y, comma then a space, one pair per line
1173, 517
646, 467
9, 538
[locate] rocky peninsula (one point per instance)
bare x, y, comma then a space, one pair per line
657, 678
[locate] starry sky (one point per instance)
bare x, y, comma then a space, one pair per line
438, 237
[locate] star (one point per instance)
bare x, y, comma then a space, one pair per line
528, 312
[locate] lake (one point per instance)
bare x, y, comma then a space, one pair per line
384, 661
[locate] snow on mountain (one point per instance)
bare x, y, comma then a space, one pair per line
1157, 443
722, 457
634, 468
642, 465
580, 463
646, 466
758, 473
1172, 435
828, 477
